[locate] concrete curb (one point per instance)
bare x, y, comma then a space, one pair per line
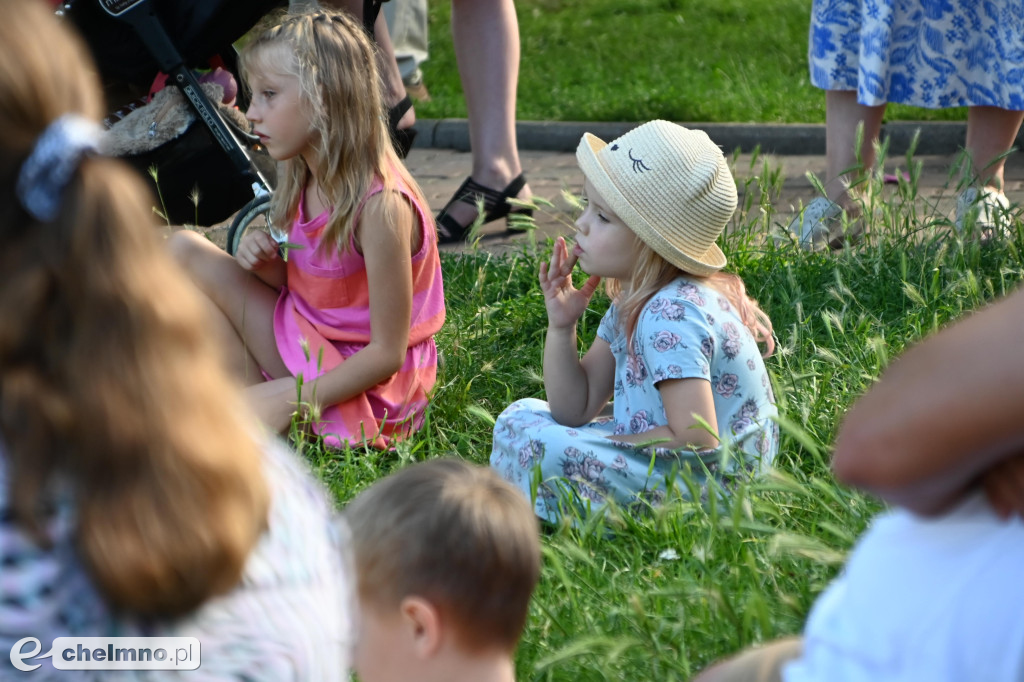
794, 139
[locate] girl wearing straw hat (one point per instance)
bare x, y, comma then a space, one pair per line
676, 354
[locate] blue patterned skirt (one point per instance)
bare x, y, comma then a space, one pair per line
562, 467
926, 53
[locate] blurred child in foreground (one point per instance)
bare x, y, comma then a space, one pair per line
134, 498
447, 555
932, 591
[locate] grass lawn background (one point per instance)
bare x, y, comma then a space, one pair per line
681, 60
658, 596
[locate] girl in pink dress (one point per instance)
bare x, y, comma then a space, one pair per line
340, 323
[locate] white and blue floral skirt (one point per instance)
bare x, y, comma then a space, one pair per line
926, 53
579, 467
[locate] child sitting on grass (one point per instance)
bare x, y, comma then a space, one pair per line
677, 350
354, 308
447, 556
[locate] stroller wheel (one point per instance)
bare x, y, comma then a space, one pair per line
254, 215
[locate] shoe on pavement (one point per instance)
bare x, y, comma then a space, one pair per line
820, 225
986, 211
416, 88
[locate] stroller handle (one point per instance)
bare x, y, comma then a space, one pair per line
118, 7
139, 13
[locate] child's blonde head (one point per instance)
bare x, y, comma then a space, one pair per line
335, 63
673, 188
111, 390
454, 534
670, 185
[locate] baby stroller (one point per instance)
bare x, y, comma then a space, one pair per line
133, 40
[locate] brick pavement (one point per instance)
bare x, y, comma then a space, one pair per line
441, 171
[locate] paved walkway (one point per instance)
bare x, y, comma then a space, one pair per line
441, 171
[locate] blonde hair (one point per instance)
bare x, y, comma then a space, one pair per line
336, 66
109, 386
457, 535
652, 273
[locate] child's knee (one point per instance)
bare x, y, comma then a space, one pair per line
184, 247
206, 264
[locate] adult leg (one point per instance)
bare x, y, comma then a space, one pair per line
394, 89
842, 116
241, 306
486, 38
821, 222
991, 131
407, 26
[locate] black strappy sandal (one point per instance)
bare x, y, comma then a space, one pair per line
402, 139
496, 206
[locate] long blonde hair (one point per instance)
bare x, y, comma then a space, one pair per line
336, 65
110, 389
652, 273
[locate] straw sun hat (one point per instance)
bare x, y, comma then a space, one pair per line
668, 184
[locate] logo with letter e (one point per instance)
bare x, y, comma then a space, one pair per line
110, 653
19, 655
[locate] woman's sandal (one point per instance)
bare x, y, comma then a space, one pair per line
402, 139
496, 205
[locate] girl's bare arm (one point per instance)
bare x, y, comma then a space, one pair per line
387, 250
258, 253
682, 398
577, 390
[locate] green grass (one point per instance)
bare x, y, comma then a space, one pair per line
658, 597
681, 60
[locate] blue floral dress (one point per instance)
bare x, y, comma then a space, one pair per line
687, 330
927, 53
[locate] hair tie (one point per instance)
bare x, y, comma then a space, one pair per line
54, 159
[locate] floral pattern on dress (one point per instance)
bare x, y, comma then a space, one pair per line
532, 452
742, 422
636, 371
675, 338
727, 385
641, 421
689, 291
926, 53
732, 342
707, 347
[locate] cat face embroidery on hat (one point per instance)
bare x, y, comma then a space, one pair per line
670, 185
638, 164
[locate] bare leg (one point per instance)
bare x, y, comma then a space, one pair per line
486, 37
842, 114
990, 132
241, 306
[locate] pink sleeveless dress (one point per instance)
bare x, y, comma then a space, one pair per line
323, 317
